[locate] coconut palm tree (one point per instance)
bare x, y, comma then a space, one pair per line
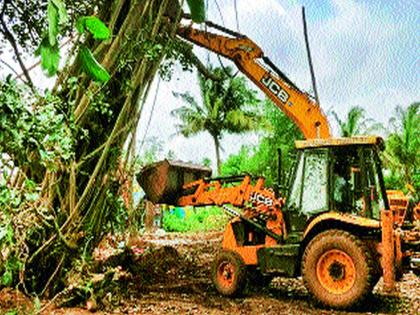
402, 147
355, 123
226, 106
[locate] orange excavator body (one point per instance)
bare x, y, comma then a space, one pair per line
257, 237
257, 202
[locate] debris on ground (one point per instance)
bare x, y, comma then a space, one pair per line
169, 274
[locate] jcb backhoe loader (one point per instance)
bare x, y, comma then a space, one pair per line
335, 227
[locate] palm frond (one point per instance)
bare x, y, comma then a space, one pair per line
403, 143
340, 123
227, 105
189, 99
238, 121
192, 121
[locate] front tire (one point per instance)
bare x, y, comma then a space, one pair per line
338, 269
229, 273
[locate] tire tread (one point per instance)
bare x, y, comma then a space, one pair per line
371, 265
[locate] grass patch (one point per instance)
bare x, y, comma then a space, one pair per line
190, 219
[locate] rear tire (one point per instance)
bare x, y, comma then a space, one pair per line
229, 273
338, 269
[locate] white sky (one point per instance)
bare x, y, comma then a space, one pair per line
364, 53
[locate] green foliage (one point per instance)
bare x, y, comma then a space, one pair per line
33, 136
119, 214
48, 49
227, 106
12, 268
52, 23
77, 200
402, 147
26, 20
416, 182
260, 160
177, 51
57, 16
94, 25
63, 17
11, 202
198, 10
206, 162
393, 180
195, 220
50, 57
355, 123
37, 305
152, 149
241, 162
100, 104
91, 66
18, 15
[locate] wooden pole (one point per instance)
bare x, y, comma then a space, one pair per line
308, 51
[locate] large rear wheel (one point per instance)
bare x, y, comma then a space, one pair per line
338, 269
229, 273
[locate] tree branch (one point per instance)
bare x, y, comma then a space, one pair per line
200, 66
10, 38
10, 67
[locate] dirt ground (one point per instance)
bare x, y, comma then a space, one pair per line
180, 284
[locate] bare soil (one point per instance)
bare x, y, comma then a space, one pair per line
175, 280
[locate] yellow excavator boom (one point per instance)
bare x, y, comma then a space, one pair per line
250, 60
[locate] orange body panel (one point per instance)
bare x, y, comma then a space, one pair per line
345, 218
256, 200
248, 253
210, 193
295, 103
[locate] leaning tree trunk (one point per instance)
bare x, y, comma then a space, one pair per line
78, 201
218, 159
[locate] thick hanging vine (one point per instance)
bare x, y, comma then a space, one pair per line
62, 152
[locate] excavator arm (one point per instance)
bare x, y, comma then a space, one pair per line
250, 60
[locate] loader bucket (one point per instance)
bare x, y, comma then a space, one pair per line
163, 181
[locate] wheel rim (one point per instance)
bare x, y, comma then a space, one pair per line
226, 274
336, 271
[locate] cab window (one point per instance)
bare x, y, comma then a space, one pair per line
314, 195
308, 192
293, 201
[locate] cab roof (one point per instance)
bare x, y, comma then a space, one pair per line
335, 142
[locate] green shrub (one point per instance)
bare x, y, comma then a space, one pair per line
195, 220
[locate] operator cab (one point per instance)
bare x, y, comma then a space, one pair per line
342, 175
